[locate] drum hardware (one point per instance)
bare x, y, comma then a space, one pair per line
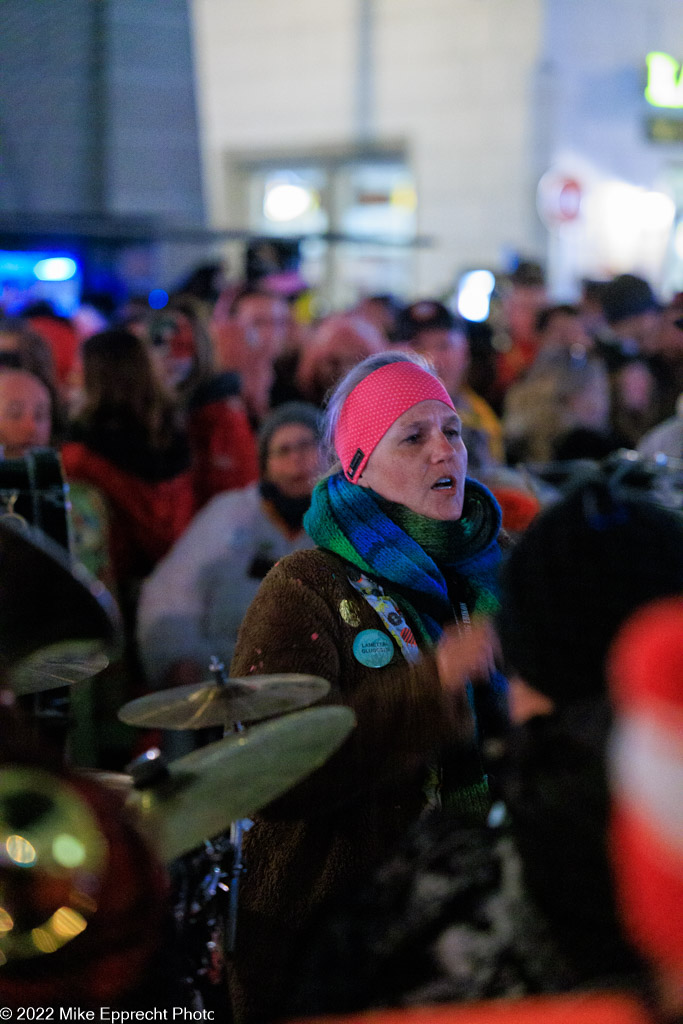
658, 477
212, 790
117, 782
84, 902
59, 665
8, 511
237, 830
200, 892
54, 860
232, 778
149, 769
48, 603
220, 677
204, 794
217, 670
34, 490
222, 701
58, 626
56, 710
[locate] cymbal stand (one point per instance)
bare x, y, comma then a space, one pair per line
237, 829
199, 911
222, 680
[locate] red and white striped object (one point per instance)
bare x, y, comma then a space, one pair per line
646, 675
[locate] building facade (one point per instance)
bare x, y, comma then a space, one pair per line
458, 133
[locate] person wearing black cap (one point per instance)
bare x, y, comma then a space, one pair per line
525, 905
633, 314
666, 362
431, 329
192, 605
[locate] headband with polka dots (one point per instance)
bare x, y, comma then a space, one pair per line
375, 404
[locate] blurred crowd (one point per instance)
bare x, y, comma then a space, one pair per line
191, 440
162, 417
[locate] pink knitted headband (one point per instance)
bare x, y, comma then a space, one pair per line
375, 404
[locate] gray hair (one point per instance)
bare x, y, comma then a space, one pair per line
352, 379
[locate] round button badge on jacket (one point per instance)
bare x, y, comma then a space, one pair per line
373, 648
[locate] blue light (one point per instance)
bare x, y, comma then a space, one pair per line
55, 268
157, 298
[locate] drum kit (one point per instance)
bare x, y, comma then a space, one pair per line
58, 628
659, 478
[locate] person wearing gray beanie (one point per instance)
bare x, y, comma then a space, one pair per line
192, 605
289, 412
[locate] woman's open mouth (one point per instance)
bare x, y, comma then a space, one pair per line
444, 483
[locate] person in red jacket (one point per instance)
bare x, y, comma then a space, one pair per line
222, 442
127, 443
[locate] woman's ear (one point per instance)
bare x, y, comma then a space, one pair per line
525, 702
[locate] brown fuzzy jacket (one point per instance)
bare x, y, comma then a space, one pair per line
329, 833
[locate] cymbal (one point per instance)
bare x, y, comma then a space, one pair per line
204, 705
236, 776
45, 599
71, 661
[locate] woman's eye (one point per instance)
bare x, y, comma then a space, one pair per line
452, 432
412, 438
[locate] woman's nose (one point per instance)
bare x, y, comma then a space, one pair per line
441, 447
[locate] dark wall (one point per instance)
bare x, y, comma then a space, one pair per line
97, 109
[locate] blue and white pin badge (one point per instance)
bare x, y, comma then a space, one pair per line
373, 648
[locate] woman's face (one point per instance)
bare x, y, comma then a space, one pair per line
25, 413
449, 354
294, 462
421, 462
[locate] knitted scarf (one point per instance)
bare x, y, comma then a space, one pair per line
412, 556
415, 559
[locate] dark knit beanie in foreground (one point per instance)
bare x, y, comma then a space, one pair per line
580, 569
290, 412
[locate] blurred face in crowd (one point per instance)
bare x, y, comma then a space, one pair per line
643, 328
521, 305
25, 413
634, 386
378, 313
448, 352
294, 462
590, 407
670, 337
566, 330
265, 321
8, 342
421, 462
339, 343
175, 347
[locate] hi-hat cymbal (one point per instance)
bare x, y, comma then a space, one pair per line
236, 776
71, 661
202, 706
45, 599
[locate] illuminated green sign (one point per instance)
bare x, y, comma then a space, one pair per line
664, 81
